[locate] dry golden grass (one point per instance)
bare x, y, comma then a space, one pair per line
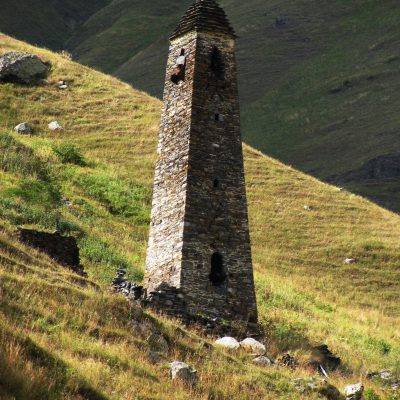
306, 294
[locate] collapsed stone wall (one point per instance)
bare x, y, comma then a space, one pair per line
63, 249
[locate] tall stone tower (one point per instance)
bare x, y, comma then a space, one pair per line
199, 255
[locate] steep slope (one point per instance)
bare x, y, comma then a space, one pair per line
79, 337
318, 79
46, 23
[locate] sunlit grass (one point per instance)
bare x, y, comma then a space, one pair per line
306, 294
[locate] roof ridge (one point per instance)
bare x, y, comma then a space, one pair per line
204, 15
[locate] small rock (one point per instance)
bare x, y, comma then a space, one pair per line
24, 128
263, 361
228, 343
349, 260
183, 372
253, 346
62, 84
22, 67
286, 360
55, 126
315, 385
307, 208
395, 385
354, 392
158, 343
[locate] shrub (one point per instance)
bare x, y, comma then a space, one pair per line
69, 154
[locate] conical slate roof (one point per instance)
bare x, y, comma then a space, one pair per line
204, 15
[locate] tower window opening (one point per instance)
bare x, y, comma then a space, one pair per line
217, 64
216, 184
217, 117
218, 274
178, 72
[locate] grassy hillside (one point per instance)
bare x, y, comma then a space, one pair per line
319, 79
64, 338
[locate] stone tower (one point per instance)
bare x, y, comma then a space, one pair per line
199, 255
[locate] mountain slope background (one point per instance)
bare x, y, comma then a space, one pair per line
319, 80
62, 337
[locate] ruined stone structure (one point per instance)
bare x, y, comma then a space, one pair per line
63, 249
199, 255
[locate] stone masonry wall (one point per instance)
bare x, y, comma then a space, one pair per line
199, 204
164, 255
216, 214
63, 249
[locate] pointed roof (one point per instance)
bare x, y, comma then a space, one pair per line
204, 15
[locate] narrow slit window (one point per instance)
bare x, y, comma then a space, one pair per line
217, 64
216, 183
218, 274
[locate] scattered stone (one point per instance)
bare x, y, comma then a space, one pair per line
286, 360
253, 346
64, 249
24, 128
158, 343
395, 385
316, 385
349, 260
62, 85
263, 361
55, 126
131, 290
183, 372
228, 342
22, 68
307, 208
385, 375
354, 392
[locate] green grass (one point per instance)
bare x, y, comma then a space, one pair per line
319, 93
61, 337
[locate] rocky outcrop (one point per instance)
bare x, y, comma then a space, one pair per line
379, 168
22, 68
183, 372
63, 249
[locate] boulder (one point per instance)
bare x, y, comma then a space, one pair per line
228, 343
158, 343
263, 361
24, 128
183, 372
253, 346
22, 67
354, 392
55, 126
